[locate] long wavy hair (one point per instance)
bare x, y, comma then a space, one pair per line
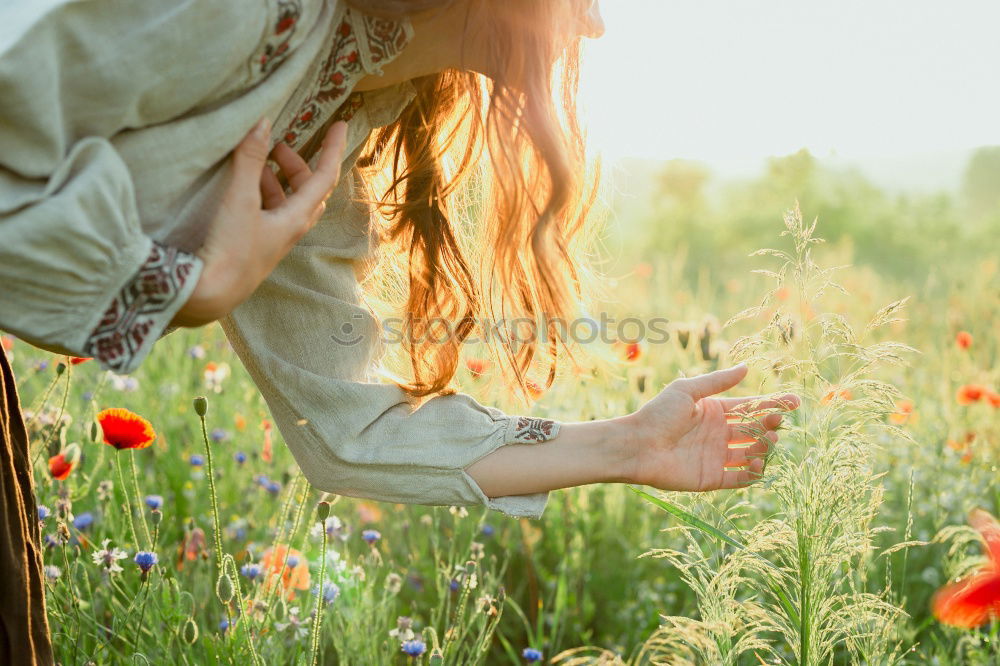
521, 260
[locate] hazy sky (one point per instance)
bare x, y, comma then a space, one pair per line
742, 79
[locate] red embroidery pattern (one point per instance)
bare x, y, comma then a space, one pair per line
533, 430
276, 47
341, 68
136, 309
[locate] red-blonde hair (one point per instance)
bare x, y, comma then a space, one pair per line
527, 262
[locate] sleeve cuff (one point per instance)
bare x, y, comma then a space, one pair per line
143, 308
519, 430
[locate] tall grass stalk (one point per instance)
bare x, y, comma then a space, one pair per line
791, 588
324, 513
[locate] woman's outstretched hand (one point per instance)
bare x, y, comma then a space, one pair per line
686, 439
257, 224
683, 439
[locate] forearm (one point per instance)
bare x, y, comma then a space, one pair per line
582, 453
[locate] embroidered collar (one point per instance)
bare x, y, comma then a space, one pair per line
361, 45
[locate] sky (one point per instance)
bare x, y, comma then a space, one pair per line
739, 80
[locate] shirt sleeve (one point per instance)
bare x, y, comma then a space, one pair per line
79, 275
308, 343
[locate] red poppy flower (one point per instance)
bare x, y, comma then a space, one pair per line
963, 339
192, 547
267, 453
77, 360
842, 394
7, 342
993, 398
125, 430
292, 566
903, 413
975, 599
971, 393
477, 366
535, 389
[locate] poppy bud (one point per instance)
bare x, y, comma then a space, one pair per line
95, 432
190, 631
63, 531
281, 608
683, 337
200, 405
60, 368
323, 511
224, 588
436, 657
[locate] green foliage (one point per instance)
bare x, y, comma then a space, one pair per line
833, 558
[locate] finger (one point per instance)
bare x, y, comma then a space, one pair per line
743, 477
249, 158
743, 433
740, 456
295, 169
318, 187
766, 422
757, 403
270, 189
704, 386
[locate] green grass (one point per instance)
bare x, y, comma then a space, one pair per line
800, 569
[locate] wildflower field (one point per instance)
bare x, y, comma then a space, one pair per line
178, 530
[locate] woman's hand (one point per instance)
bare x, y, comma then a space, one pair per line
257, 224
685, 439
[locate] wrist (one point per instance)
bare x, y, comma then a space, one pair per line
609, 443
207, 301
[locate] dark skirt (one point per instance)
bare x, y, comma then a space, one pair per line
24, 633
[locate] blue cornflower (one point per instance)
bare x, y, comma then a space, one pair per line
146, 560
240, 457
219, 435
154, 501
488, 530
454, 585
223, 625
261, 480
292, 561
87, 396
51, 541
251, 570
330, 592
414, 648
197, 460
371, 536
43, 512
531, 654
83, 521
196, 352
273, 487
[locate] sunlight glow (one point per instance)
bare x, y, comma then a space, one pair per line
729, 81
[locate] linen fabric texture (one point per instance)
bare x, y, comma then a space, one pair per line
117, 121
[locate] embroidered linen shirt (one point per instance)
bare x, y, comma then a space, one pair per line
117, 120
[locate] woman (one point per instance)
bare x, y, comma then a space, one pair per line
133, 198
